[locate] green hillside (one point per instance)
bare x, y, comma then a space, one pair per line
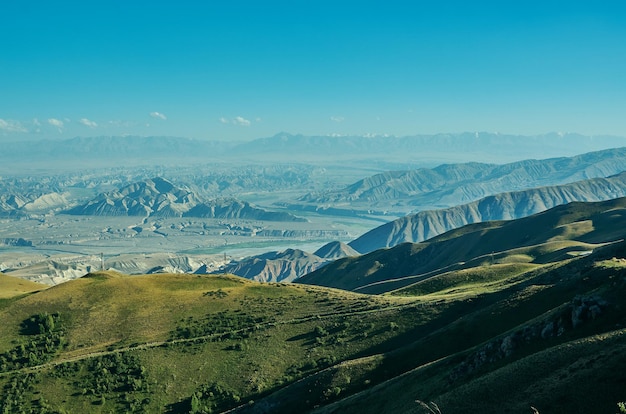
541, 324
110, 342
11, 287
551, 236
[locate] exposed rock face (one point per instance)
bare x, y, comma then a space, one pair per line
158, 197
231, 208
16, 242
153, 197
506, 206
282, 266
303, 233
580, 310
335, 250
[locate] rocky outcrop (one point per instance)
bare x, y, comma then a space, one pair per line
282, 266
231, 208
581, 310
152, 197
16, 242
335, 250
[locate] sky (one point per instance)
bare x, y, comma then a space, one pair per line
238, 70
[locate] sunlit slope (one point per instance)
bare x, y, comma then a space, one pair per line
497, 344
554, 235
189, 343
452, 184
13, 286
110, 342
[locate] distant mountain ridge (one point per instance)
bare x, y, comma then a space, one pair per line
452, 184
288, 265
480, 146
505, 206
158, 197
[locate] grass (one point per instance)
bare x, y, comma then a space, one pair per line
12, 286
500, 336
266, 331
572, 372
549, 237
467, 280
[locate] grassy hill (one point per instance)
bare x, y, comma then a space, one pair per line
541, 324
12, 286
110, 342
551, 236
174, 343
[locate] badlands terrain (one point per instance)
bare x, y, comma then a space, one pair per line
161, 204
452, 273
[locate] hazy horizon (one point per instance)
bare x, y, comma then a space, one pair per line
238, 72
549, 134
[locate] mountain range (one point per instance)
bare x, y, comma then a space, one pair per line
382, 151
451, 184
552, 235
288, 265
158, 197
516, 316
504, 206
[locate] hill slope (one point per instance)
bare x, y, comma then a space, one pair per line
13, 286
284, 266
193, 343
545, 237
504, 206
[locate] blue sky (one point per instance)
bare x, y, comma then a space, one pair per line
239, 70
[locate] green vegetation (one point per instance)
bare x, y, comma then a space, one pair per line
143, 343
501, 336
12, 287
187, 343
43, 337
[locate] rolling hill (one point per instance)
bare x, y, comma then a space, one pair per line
505, 206
548, 337
13, 286
546, 237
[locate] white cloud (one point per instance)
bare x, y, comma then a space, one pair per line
11, 126
158, 115
55, 122
88, 123
36, 122
337, 118
239, 120
258, 119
